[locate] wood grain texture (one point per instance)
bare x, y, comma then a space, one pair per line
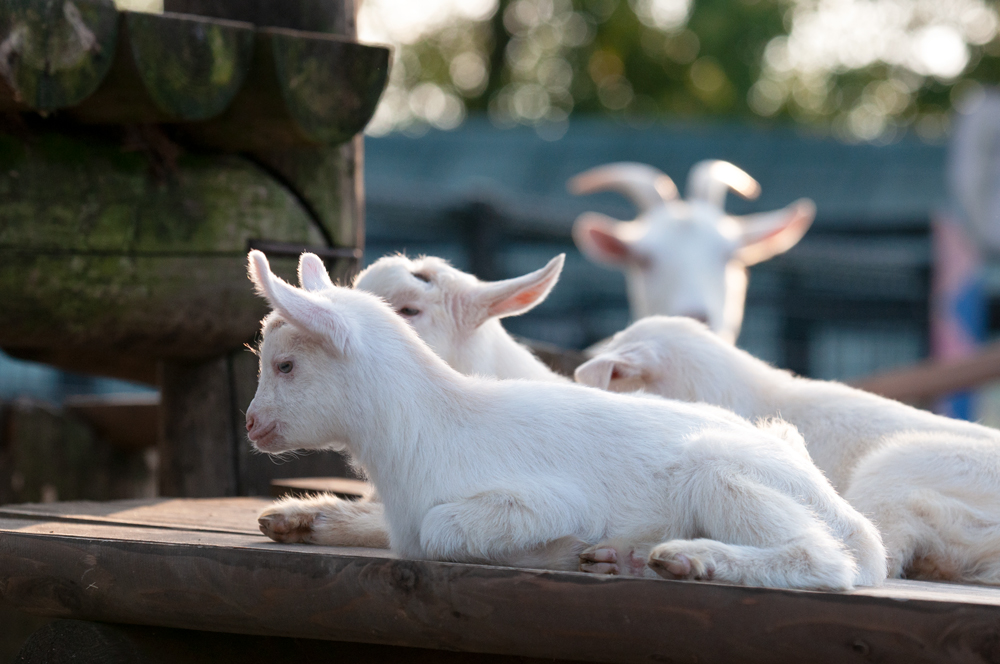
229, 515
276, 86
170, 68
197, 441
129, 421
55, 54
46, 454
245, 584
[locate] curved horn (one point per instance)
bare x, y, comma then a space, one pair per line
644, 185
709, 181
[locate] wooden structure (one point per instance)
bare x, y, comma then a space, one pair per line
202, 564
933, 379
141, 155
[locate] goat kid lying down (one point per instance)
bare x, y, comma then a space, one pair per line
458, 316
455, 313
529, 473
931, 484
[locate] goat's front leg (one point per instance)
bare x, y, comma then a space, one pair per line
326, 519
526, 528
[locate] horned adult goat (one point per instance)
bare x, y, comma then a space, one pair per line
686, 257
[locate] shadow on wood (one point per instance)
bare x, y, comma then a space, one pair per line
100, 643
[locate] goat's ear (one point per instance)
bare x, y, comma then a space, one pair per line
601, 370
513, 297
768, 234
600, 238
312, 273
300, 308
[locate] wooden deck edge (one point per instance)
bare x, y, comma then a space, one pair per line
291, 591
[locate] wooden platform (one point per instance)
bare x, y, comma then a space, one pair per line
202, 564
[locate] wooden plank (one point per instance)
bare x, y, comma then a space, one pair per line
343, 487
245, 584
230, 515
128, 421
170, 68
54, 56
303, 89
331, 16
100, 643
929, 380
48, 455
197, 445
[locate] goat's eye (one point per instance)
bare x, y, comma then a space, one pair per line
285, 367
409, 312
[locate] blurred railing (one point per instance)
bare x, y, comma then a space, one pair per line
932, 379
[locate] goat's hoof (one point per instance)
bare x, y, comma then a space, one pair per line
612, 559
286, 528
600, 560
677, 565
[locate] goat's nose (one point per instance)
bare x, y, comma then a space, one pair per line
250, 422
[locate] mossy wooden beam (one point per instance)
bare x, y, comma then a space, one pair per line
54, 54
105, 271
329, 182
303, 89
171, 68
314, 15
225, 83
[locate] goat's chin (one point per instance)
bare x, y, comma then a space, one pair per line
272, 443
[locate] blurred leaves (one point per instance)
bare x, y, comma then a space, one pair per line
861, 69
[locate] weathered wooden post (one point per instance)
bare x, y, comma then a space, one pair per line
141, 155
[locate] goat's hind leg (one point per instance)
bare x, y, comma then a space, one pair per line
755, 536
935, 503
527, 527
326, 519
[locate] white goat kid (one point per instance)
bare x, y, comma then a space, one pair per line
686, 258
931, 484
530, 473
458, 315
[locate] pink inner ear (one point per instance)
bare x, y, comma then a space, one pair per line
609, 244
526, 297
615, 374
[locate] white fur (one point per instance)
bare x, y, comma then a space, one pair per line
458, 315
686, 258
531, 473
930, 483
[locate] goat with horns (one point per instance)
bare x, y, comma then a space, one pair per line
686, 257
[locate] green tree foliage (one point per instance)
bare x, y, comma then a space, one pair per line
863, 69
